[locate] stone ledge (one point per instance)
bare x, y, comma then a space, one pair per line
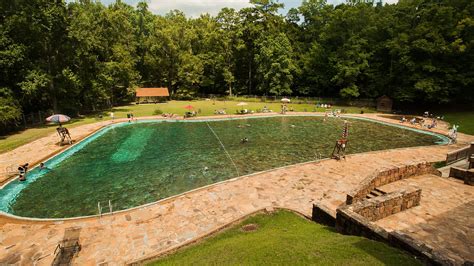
380, 178
420, 250
323, 215
356, 220
380, 207
466, 175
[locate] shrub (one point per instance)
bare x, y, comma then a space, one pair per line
157, 111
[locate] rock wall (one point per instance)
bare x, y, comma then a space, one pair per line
384, 177
322, 215
463, 174
352, 223
380, 207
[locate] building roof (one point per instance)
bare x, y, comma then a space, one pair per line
152, 92
383, 97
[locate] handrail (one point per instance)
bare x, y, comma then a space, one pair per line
56, 249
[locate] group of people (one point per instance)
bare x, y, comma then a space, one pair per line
190, 114
168, 115
130, 117
323, 105
23, 169
422, 121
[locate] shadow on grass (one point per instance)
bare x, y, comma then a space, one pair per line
121, 109
21, 130
378, 250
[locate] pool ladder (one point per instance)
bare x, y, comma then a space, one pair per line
100, 208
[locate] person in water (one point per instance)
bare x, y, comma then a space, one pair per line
22, 169
244, 140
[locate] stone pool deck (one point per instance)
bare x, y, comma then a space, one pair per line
139, 233
444, 218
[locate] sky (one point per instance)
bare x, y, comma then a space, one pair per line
196, 7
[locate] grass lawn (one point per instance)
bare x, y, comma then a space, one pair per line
285, 238
207, 108
464, 119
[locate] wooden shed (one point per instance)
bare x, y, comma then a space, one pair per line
384, 104
146, 95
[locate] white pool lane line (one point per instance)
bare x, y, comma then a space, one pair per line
223, 147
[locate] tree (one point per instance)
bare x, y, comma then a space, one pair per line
275, 65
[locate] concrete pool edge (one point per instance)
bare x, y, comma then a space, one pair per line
109, 126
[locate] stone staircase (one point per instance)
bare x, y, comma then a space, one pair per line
375, 193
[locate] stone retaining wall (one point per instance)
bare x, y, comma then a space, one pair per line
421, 250
466, 175
356, 220
384, 177
322, 215
460, 154
380, 207
351, 223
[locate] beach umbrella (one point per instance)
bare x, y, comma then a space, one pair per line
58, 118
242, 104
285, 100
189, 107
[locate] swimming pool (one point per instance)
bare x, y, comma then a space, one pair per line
131, 164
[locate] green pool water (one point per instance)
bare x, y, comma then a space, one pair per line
135, 164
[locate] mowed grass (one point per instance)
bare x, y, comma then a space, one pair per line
284, 238
465, 120
206, 108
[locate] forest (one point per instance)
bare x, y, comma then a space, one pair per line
81, 56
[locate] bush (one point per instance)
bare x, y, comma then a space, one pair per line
157, 111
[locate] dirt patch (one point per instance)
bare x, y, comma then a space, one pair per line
249, 227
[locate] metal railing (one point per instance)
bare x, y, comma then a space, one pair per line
99, 207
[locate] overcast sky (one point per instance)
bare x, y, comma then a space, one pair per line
196, 7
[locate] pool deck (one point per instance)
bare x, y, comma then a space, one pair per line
128, 236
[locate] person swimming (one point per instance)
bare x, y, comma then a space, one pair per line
244, 140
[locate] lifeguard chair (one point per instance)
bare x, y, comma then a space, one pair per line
339, 150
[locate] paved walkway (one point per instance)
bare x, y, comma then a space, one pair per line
131, 235
443, 220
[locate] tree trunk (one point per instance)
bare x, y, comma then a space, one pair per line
250, 77
53, 97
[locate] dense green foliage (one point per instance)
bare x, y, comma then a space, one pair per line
283, 238
83, 56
